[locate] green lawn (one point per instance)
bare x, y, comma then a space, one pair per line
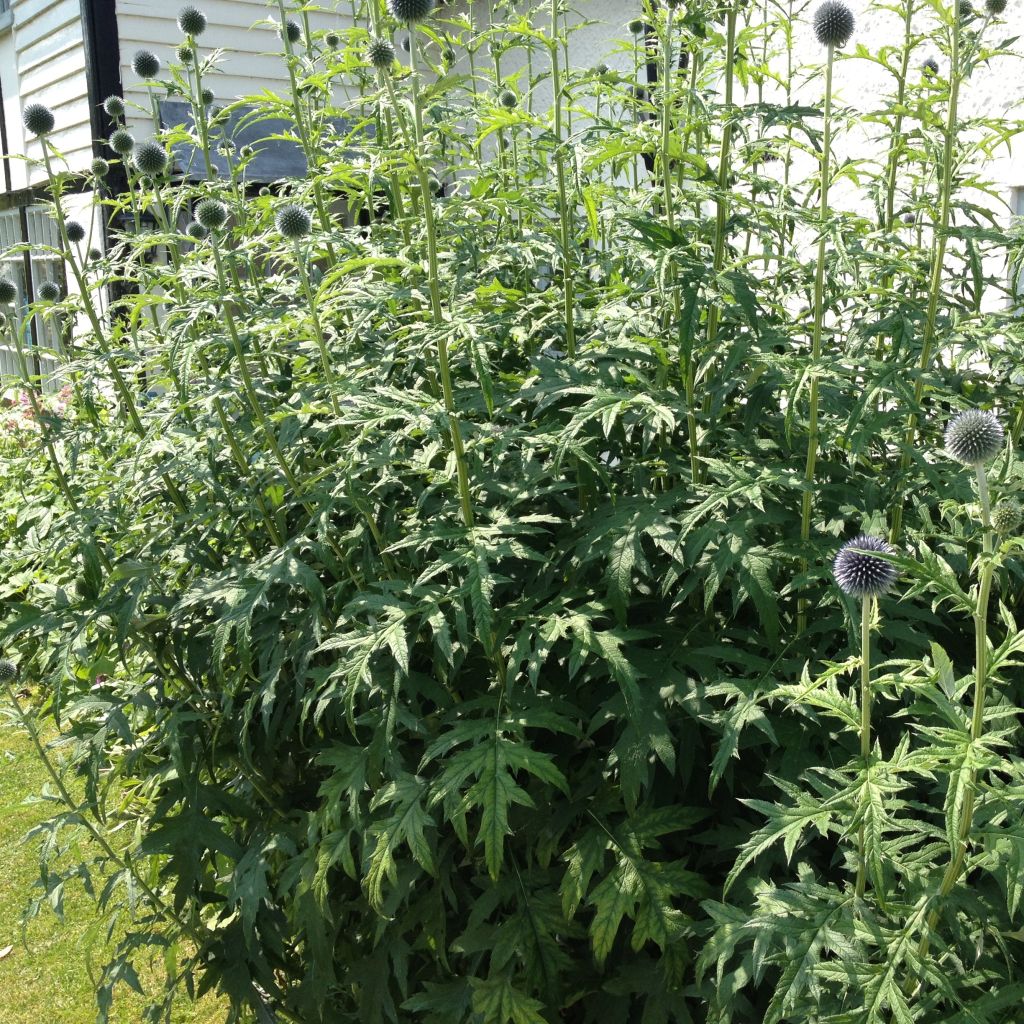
46, 976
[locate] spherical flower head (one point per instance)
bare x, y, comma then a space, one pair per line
146, 64
196, 231
207, 96
246, 152
964, 9
860, 573
601, 69
211, 213
1007, 516
8, 293
930, 67
48, 291
38, 119
191, 21
333, 40
292, 29
381, 54
974, 437
636, 26
409, 11
8, 671
95, 254
995, 6
74, 230
114, 106
293, 221
507, 98
833, 23
150, 158
122, 141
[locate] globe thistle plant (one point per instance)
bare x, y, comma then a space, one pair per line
8, 292
507, 98
964, 9
8, 671
196, 231
211, 213
38, 119
191, 21
99, 167
1007, 516
150, 158
74, 231
833, 23
635, 27
292, 30
930, 67
333, 40
114, 106
974, 437
48, 291
995, 6
380, 54
95, 254
293, 221
122, 141
146, 64
185, 54
410, 11
207, 96
859, 572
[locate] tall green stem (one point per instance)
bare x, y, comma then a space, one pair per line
318, 331
935, 284
807, 501
435, 294
563, 204
866, 614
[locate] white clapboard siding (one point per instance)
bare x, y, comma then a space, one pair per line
50, 60
251, 61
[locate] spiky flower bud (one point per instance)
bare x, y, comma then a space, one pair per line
333, 40
964, 9
146, 64
114, 106
833, 23
974, 437
8, 671
211, 213
8, 293
246, 152
75, 231
507, 98
122, 141
293, 221
636, 26
930, 67
95, 254
150, 158
601, 68
185, 54
207, 96
1007, 516
995, 6
292, 29
191, 21
38, 119
860, 573
196, 231
409, 11
48, 291
381, 54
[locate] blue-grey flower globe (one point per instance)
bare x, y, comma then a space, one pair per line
333, 40
150, 158
292, 29
114, 106
122, 141
211, 213
48, 291
860, 573
8, 671
191, 21
974, 437
75, 231
380, 53
38, 119
293, 221
833, 23
409, 11
507, 98
207, 96
185, 54
8, 293
196, 231
995, 6
930, 67
635, 27
146, 64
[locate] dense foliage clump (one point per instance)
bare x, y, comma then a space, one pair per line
431, 562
